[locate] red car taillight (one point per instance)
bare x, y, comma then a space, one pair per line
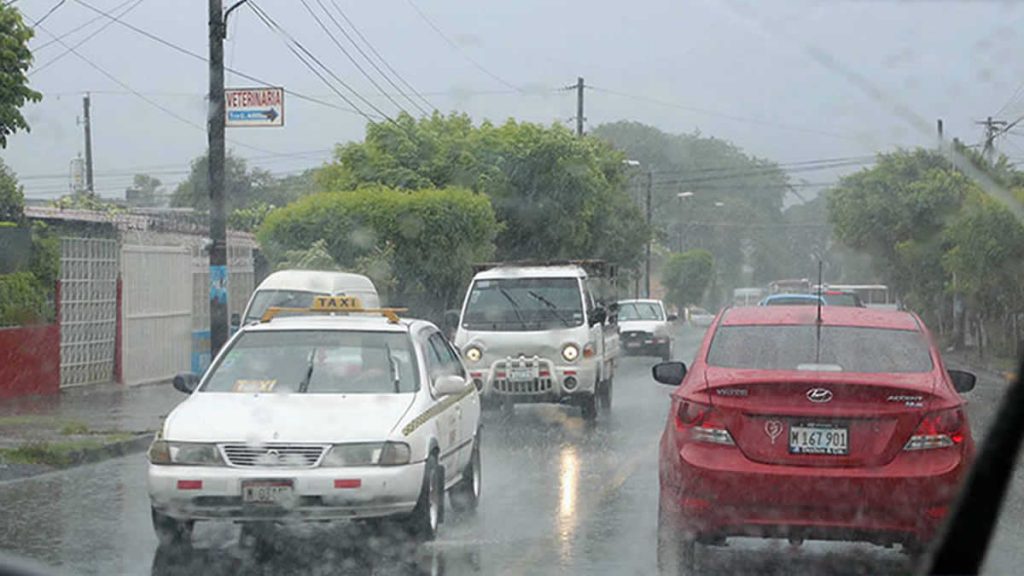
938, 430
701, 423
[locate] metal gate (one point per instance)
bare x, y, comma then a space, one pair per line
156, 290
88, 310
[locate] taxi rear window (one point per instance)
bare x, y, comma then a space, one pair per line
846, 348
317, 362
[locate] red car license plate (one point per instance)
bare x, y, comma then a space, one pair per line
819, 438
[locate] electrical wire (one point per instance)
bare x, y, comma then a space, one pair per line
459, 49
381, 58
299, 50
48, 13
202, 58
85, 24
67, 51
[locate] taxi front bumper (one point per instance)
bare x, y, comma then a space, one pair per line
215, 492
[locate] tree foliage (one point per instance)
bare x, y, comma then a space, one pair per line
15, 59
556, 195
12, 197
687, 275
244, 187
427, 240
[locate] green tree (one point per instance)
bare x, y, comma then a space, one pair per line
687, 276
194, 191
556, 195
15, 59
12, 197
144, 191
429, 239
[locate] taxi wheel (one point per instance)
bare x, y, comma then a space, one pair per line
171, 532
429, 511
588, 407
465, 496
676, 550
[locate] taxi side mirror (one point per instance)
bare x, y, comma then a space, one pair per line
449, 385
962, 381
186, 382
671, 373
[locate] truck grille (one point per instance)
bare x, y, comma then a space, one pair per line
535, 386
542, 384
274, 455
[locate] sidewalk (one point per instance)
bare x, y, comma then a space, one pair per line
80, 425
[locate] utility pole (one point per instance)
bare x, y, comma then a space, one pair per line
579, 106
992, 129
647, 256
938, 126
88, 145
215, 158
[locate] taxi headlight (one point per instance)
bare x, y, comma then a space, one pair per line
367, 454
473, 354
184, 453
571, 352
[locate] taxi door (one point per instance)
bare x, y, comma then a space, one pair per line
448, 437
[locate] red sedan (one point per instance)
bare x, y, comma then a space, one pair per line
843, 426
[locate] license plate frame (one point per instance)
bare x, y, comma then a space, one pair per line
819, 439
275, 492
522, 373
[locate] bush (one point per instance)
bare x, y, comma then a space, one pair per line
22, 300
431, 237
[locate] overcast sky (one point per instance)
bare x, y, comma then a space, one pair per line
786, 80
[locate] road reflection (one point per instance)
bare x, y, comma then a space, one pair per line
568, 490
320, 550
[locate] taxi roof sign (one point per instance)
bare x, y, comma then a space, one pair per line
334, 305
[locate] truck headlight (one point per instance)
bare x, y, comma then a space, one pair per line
367, 454
184, 453
570, 353
473, 354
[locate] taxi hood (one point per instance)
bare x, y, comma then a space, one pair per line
255, 418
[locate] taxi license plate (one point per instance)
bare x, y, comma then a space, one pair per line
521, 374
267, 492
817, 438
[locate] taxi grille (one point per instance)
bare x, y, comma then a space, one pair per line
274, 455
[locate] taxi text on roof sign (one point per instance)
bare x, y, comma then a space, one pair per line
337, 303
254, 107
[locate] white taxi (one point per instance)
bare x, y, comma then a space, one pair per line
328, 413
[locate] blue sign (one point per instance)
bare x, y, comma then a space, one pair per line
219, 284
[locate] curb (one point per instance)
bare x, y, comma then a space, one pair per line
138, 443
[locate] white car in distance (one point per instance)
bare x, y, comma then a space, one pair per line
645, 328
321, 416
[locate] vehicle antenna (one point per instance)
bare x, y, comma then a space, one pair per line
817, 340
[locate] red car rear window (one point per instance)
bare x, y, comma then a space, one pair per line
845, 348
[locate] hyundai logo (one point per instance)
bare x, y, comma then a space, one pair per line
819, 395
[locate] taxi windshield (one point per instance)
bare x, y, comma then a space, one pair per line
639, 311
316, 362
852, 349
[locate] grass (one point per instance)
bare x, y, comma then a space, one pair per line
58, 454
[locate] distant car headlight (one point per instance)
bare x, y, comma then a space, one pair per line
473, 354
184, 453
571, 352
367, 454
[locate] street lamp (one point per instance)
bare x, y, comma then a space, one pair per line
679, 236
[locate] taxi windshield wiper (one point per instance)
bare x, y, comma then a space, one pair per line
304, 384
551, 306
515, 305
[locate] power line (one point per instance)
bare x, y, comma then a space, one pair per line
721, 114
202, 58
783, 166
85, 24
348, 55
459, 49
67, 51
298, 50
381, 58
48, 13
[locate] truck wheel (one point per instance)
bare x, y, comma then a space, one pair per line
606, 395
172, 532
465, 496
426, 516
588, 407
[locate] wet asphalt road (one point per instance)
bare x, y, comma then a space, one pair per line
559, 497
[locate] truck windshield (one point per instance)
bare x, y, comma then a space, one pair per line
524, 304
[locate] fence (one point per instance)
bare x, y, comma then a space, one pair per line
88, 310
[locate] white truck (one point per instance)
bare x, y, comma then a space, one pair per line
534, 333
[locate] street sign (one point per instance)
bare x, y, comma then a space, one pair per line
254, 107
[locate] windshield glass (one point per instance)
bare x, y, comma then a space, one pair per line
851, 349
265, 299
640, 311
316, 362
523, 304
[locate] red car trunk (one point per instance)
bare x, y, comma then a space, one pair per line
820, 418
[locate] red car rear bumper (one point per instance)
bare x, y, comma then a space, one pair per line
714, 491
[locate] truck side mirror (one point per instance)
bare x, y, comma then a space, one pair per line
598, 316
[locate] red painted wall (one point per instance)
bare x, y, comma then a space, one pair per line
29, 360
